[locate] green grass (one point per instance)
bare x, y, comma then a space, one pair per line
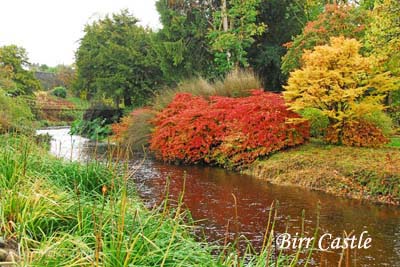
78, 102
68, 214
395, 142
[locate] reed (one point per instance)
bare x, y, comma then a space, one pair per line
69, 214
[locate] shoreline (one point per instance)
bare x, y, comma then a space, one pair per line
357, 173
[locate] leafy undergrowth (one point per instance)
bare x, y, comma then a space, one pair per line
364, 173
395, 142
230, 132
67, 214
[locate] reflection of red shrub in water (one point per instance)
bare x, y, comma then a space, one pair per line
231, 132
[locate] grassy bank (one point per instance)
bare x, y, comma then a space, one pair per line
362, 173
56, 213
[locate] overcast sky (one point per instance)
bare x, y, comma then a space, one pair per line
50, 29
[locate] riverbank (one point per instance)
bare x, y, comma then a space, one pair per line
360, 173
59, 213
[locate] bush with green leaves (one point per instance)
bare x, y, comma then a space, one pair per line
381, 120
319, 122
394, 108
15, 113
60, 92
96, 129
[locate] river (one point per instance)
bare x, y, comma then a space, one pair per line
209, 197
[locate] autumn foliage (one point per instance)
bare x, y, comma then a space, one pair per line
336, 20
357, 133
230, 132
342, 84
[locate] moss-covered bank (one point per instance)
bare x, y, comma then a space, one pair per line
362, 173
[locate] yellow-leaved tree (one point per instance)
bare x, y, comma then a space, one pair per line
339, 82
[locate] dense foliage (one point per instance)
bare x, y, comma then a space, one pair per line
336, 20
59, 92
96, 121
96, 129
319, 121
383, 35
181, 43
231, 132
15, 114
233, 30
115, 59
340, 82
357, 133
284, 19
14, 76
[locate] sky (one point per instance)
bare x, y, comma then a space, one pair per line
50, 29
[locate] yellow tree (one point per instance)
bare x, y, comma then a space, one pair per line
339, 81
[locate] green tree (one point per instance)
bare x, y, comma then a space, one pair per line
383, 36
6, 82
285, 18
182, 44
14, 60
116, 59
233, 30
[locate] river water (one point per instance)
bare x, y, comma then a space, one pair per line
209, 197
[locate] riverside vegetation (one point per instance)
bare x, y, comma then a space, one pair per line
198, 126
58, 213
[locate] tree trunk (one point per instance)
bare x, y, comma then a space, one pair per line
127, 101
224, 16
225, 24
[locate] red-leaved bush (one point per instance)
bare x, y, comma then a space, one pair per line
231, 132
357, 133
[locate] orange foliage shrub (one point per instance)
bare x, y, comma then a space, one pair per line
120, 129
231, 132
357, 133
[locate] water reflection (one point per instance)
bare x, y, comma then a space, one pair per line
208, 195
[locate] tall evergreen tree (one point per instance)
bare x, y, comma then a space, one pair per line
285, 18
116, 59
182, 45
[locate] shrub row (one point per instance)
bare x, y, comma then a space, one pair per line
231, 132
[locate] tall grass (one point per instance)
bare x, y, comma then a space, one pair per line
238, 83
67, 214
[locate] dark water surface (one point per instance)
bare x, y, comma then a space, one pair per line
208, 195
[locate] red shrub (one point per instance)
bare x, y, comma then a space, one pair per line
357, 133
231, 132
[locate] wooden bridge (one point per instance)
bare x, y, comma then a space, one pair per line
52, 107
